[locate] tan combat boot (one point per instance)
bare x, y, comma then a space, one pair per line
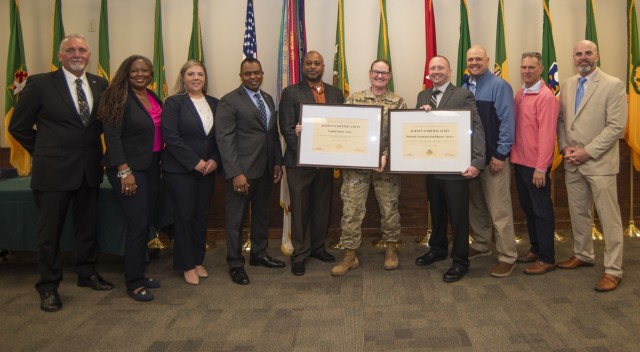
391, 256
349, 261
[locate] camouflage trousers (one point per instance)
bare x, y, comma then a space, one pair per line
354, 192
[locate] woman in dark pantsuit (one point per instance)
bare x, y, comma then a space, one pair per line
188, 165
130, 115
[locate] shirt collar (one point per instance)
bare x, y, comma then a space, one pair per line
534, 89
442, 88
71, 78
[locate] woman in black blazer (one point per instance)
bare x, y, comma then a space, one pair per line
130, 115
188, 163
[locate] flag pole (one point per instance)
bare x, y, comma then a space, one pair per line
631, 230
423, 241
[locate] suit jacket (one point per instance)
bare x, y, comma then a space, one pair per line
457, 98
131, 142
64, 151
597, 125
289, 113
186, 142
245, 145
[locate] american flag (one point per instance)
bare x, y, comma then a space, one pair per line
250, 47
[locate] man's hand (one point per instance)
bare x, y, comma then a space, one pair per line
383, 164
277, 173
538, 179
240, 184
211, 167
471, 172
576, 156
496, 165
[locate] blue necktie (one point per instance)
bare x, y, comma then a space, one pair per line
262, 108
580, 92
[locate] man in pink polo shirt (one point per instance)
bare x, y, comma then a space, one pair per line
536, 111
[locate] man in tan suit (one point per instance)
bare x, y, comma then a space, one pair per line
593, 115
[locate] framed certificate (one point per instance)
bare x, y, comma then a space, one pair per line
346, 136
436, 141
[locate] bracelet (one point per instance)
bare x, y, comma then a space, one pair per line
124, 173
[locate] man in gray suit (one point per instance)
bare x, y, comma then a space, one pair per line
310, 188
247, 136
593, 115
449, 193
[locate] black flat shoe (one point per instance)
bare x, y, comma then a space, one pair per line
96, 282
428, 259
50, 301
151, 283
239, 276
298, 269
267, 261
143, 295
324, 256
455, 273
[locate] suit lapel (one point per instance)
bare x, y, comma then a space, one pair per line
445, 96
570, 115
194, 113
272, 108
63, 88
591, 88
244, 95
93, 84
306, 90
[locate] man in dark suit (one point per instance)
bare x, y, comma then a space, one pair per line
449, 193
66, 151
309, 187
248, 142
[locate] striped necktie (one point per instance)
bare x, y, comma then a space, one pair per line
262, 108
83, 105
434, 99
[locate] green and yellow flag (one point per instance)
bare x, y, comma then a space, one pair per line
195, 44
58, 34
103, 48
590, 32
16, 78
464, 43
340, 76
501, 67
632, 133
159, 83
384, 51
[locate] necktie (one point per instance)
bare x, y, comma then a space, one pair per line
83, 105
434, 99
580, 92
262, 108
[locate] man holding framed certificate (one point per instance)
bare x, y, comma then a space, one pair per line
356, 182
449, 193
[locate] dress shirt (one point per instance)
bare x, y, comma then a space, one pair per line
71, 82
255, 101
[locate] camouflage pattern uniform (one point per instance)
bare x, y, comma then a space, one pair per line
356, 182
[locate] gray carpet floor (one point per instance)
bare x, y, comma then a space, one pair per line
369, 309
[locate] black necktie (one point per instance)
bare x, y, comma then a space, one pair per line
434, 99
83, 105
262, 108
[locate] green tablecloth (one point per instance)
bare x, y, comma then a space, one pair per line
18, 218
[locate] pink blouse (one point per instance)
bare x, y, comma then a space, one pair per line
156, 112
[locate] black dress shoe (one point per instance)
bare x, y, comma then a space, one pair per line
454, 273
96, 282
428, 259
324, 256
297, 268
50, 301
266, 261
239, 276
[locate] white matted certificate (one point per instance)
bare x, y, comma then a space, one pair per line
437, 141
340, 136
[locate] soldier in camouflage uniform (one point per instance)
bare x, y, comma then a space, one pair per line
356, 182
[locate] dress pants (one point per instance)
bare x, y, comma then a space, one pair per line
354, 193
52, 213
582, 191
537, 206
191, 194
490, 209
310, 191
449, 199
236, 205
138, 212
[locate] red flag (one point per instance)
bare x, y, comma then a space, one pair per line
430, 38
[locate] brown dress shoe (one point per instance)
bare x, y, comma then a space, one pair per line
607, 283
539, 268
573, 263
530, 257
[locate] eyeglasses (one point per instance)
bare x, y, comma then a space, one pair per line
379, 73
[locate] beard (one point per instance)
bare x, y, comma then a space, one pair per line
585, 68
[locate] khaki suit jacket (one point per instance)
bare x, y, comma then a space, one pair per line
596, 125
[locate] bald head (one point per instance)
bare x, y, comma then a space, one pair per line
313, 66
585, 57
477, 60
